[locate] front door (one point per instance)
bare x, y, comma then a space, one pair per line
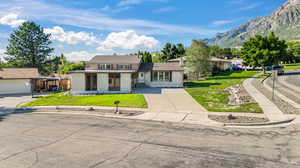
91, 82
114, 81
141, 77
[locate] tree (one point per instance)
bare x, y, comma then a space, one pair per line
167, 52
236, 52
198, 58
172, 51
262, 51
146, 57
180, 50
72, 67
294, 50
29, 47
226, 53
215, 51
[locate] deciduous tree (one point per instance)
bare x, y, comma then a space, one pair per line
262, 51
198, 58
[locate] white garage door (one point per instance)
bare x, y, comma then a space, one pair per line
18, 86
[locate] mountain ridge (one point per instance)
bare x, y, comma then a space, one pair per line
284, 22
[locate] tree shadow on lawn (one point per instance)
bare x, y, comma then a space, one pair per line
204, 84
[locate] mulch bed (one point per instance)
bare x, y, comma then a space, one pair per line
238, 119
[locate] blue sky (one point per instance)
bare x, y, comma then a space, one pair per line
82, 28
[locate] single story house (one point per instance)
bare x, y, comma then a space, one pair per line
17, 80
122, 73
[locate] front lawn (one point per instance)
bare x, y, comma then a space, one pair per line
292, 66
126, 100
211, 95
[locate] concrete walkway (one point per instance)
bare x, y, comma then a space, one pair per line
269, 108
11, 101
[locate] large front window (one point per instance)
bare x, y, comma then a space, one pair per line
162, 76
105, 67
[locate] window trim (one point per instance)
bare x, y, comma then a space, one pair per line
106, 66
124, 66
160, 76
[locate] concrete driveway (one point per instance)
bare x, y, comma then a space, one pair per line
172, 100
12, 101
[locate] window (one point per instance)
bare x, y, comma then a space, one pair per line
105, 66
162, 76
124, 67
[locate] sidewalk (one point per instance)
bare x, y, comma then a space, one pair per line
269, 108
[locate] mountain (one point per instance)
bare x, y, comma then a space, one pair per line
284, 22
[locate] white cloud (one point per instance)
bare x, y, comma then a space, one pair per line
79, 56
129, 40
104, 50
70, 37
135, 2
83, 55
11, 20
91, 19
2, 55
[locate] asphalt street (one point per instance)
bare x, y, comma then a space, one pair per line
69, 141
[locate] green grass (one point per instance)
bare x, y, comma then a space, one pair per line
292, 66
127, 100
211, 95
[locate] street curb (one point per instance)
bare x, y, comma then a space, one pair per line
123, 110
261, 124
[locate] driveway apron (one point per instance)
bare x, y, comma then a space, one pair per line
173, 100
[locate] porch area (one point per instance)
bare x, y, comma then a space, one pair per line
100, 83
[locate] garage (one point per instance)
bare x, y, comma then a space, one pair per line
17, 80
16, 86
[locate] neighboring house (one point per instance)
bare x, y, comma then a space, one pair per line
223, 64
114, 73
17, 80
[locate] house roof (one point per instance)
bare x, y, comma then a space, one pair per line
177, 59
146, 67
212, 59
116, 59
19, 73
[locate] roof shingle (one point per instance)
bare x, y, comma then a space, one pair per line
19, 73
146, 67
116, 59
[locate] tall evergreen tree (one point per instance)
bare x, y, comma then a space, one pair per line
180, 50
146, 57
29, 47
